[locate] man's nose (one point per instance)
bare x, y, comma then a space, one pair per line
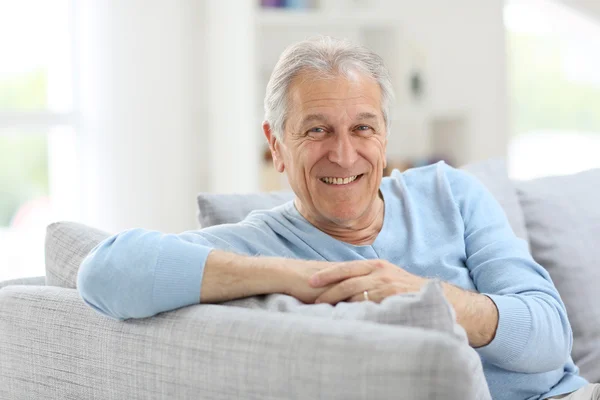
343, 150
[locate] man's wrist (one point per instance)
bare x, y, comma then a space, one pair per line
274, 274
475, 312
230, 276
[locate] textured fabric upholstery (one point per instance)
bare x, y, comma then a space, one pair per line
427, 309
217, 209
563, 220
67, 244
36, 280
219, 352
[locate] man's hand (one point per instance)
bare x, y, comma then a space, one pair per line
348, 281
298, 273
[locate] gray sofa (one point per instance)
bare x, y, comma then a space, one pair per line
53, 346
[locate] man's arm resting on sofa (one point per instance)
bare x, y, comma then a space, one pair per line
140, 273
229, 276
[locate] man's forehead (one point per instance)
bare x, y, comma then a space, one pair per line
311, 90
312, 82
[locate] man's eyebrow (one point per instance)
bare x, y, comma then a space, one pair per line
314, 118
365, 115
323, 118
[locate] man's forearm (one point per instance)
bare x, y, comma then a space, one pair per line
229, 276
475, 312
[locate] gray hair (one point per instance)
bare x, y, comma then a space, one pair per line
327, 56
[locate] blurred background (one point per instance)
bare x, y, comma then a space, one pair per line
117, 113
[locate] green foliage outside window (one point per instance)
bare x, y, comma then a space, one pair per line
23, 171
23, 155
541, 96
25, 92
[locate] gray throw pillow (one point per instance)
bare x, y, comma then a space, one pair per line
67, 244
563, 219
217, 209
32, 281
427, 309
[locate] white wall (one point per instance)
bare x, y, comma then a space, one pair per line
154, 133
590, 8
464, 47
142, 108
460, 47
234, 134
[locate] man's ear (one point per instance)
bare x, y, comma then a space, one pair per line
274, 146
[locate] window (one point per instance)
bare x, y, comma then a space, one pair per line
37, 130
554, 75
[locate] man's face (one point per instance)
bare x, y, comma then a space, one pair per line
333, 147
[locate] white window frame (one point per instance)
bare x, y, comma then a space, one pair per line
49, 121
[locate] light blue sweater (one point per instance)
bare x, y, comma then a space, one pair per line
439, 222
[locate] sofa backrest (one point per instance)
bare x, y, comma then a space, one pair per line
562, 216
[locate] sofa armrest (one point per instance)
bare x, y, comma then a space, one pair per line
36, 280
54, 346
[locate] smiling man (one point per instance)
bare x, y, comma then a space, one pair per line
351, 235
334, 152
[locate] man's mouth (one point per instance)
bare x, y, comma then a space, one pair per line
340, 181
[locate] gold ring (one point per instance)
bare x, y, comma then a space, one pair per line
366, 295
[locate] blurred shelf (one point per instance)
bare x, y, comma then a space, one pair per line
281, 18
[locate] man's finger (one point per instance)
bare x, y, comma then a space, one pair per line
375, 295
340, 272
345, 289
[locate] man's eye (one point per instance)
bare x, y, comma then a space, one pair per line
316, 132
364, 128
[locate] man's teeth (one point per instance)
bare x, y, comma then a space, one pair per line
339, 181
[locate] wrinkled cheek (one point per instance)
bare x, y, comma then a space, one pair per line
305, 185
382, 156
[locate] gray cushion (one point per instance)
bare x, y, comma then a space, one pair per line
67, 244
36, 280
55, 347
493, 174
563, 219
427, 309
217, 209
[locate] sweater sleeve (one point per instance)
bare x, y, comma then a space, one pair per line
139, 273
533, 334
